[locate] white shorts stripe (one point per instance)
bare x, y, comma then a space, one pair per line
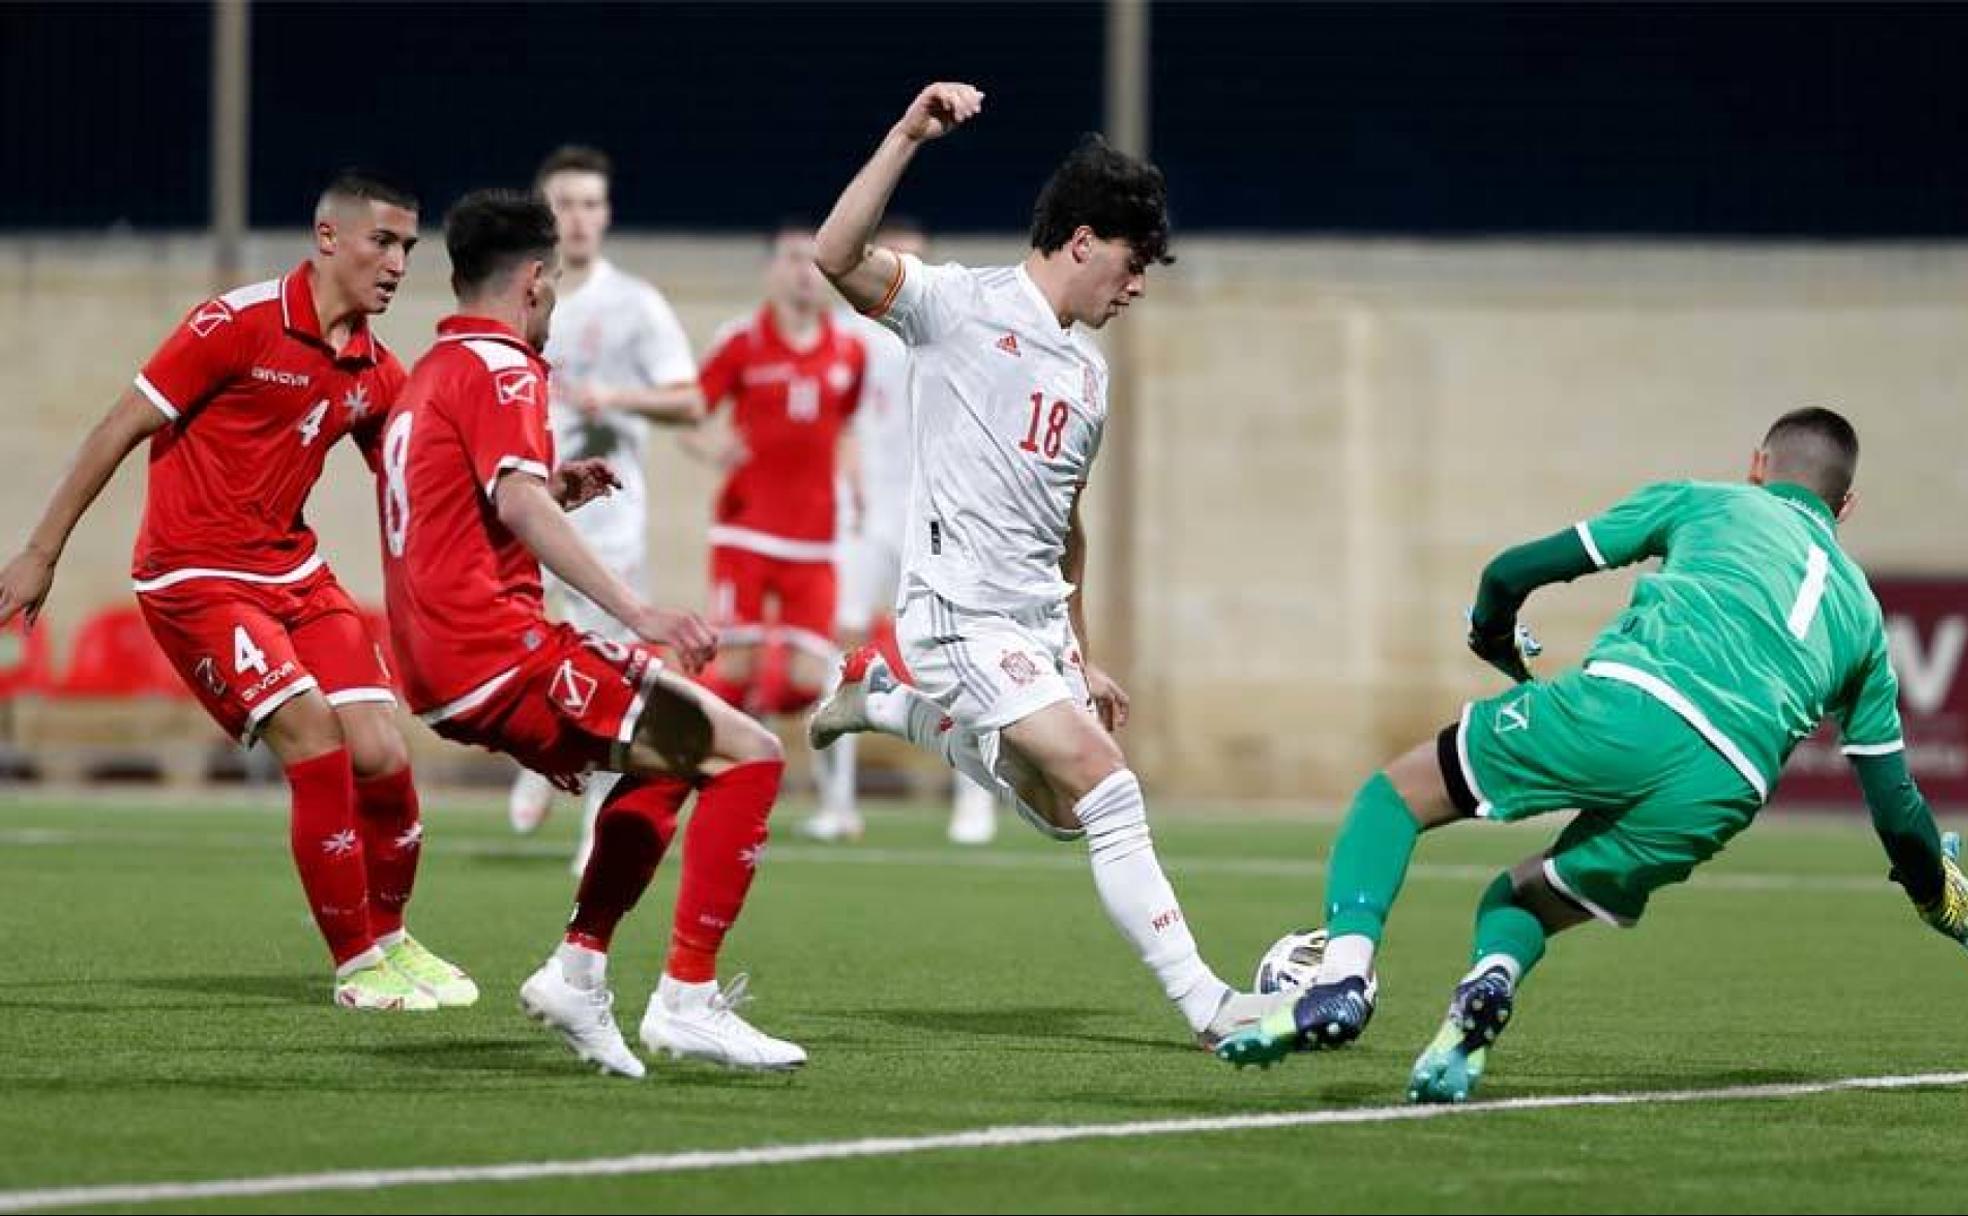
264, 709
361, 696
1551, 876
470, 701
781, 547
1483, 805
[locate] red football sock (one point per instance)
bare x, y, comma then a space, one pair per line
721, 850
392, 841
328, 851
634, 828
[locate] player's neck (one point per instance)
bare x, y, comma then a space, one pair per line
1051, 283
573, 277
510, 313
338, 317
798, 327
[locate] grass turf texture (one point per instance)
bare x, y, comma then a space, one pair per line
166, 1018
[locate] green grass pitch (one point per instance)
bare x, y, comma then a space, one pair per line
164, 1018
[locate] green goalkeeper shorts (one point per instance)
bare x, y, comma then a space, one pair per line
1654, 799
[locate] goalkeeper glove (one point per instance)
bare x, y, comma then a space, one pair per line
1948, 913
1508, 649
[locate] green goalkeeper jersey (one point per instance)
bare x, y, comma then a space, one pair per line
1755, 627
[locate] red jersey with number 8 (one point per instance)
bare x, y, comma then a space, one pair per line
464, 597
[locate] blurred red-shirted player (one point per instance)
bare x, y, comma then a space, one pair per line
792, 379
472, 506
241, 404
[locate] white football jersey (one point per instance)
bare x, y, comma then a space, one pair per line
1009, 409
619, 332
881, 431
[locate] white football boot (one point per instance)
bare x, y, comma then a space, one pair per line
973, 814
699, 1022
584, 1018
529, 802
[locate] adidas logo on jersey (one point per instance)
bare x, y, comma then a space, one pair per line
1009, 345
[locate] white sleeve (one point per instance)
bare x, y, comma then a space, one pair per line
925, 302
662, 350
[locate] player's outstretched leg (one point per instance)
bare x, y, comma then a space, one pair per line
689, 1016
1364, 876
1518, 913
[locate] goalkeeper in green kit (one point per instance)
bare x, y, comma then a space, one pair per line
1667, 740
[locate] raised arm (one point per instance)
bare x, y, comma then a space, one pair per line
25, 581
844, 251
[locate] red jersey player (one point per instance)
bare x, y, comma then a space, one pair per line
241, 404
472, 506
792, 379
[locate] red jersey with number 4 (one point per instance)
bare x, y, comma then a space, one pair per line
788, 407
463, 592
255, 397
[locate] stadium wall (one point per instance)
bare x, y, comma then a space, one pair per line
1332, 437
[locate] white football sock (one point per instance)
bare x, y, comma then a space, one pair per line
837, 772
1138, 897
1348, 956
1511, 967
907, 714
584, 968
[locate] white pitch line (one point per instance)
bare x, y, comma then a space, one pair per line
895, 1146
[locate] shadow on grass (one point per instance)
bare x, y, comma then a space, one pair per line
1038, 1024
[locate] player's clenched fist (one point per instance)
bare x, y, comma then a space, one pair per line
940, 109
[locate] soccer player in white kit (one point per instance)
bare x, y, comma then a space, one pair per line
621, 366
871, 567
1010, 400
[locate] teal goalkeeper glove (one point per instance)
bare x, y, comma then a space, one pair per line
1948, 913
1508, 650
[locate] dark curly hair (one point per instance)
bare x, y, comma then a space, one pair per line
1116, 195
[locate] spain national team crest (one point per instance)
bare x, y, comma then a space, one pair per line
1020, 667
1514, 716
518, 386
573, 691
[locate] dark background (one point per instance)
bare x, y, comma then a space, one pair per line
1674, 120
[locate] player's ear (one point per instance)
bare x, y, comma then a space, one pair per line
1082, 244
324, 236
1850, 505
1759, 466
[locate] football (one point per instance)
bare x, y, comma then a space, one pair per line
1292, 961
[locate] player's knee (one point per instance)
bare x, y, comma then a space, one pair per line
378, 754
1082, 772
303, 728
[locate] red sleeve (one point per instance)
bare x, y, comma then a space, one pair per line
209, 347
502, 416
368, 431
720, 373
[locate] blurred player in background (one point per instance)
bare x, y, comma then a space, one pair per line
871, 566
1010, 398
621, 365
473, 504
240, 405
792, 380
1667, 740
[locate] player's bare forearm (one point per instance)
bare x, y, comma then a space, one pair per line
844, 248
26, 580
530, 511
679, 404
129, 422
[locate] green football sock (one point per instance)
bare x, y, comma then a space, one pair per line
1503, 926
1369, 860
